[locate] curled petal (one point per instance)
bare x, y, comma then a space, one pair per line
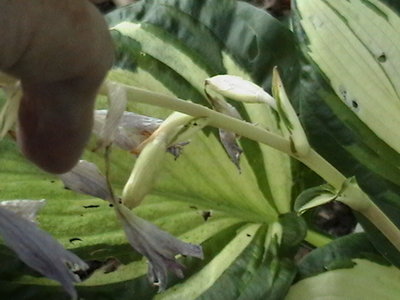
228, 140
159, 247
40, 251
85, 178
26, 209
141, 123
177, 149
132, 130
117, 104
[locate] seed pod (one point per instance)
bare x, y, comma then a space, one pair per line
151, 158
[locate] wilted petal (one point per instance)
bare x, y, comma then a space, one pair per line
158, 246
132, 129
117, 101
228, 140
40, 251
26, 209
86, 178
177, 149
139, 123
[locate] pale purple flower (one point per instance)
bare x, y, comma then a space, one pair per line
40, 251
158, 246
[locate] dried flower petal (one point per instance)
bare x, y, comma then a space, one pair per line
86, 178
158, 246
117, 100
40, 251
228, 140
26, 209
132, 129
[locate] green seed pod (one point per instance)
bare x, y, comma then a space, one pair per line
145, 172
151, 158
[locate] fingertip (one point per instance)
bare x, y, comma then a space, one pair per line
55, 123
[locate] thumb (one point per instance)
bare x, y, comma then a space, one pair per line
61, 51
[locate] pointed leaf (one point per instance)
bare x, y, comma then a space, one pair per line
313, 197
362, 281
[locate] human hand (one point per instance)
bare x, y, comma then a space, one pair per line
61, 52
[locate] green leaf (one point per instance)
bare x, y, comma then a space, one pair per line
337, 254
345, 135
362, 36
294, 232
314, 197
200, 197
263, 43
365, 280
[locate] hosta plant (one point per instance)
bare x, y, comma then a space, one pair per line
191, 186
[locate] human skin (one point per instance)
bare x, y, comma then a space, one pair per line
61, 52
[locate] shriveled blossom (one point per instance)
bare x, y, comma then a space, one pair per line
27, 209
39, 250
130, 131
227, 138
159, 247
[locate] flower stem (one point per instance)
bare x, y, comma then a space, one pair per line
383, 223
317, 239
312, 159
352, 195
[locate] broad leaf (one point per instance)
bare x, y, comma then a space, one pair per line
342, 111
200, 197
338, 254
365, 280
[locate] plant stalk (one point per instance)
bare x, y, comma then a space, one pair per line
383, 223
312, 159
